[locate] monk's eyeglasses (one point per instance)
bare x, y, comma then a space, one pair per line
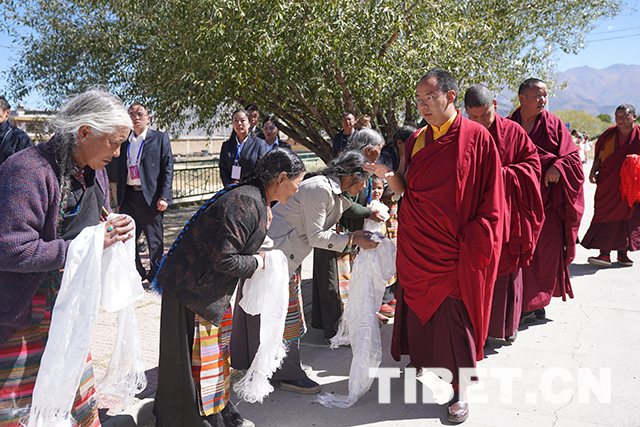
427, 100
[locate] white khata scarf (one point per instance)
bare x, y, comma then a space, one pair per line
266, 294
92, 276
359, 322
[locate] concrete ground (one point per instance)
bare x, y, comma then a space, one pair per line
577, 368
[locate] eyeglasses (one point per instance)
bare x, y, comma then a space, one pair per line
138, 115
427, 100
269, 128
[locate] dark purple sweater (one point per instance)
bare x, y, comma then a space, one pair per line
29, 204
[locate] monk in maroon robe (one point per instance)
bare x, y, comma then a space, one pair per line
523, 209
562, 177
615, 224
449, 238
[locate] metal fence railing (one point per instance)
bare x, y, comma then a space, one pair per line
196, 180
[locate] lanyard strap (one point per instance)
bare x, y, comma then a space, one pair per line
239, 149
139, 151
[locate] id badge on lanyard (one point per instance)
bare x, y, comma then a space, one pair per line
236, 169
134, 172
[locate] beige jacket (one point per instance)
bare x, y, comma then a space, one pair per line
308, 220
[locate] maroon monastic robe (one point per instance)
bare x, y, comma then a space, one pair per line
548, 274
450, 227
615, 224
524, 215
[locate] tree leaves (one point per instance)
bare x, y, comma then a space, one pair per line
305, 61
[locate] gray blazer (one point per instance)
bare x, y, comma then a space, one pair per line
308, 220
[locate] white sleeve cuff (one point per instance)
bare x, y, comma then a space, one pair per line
260, 261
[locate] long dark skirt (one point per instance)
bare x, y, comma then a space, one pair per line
177, 400
245, 340
444, 341
506, 307
620, 236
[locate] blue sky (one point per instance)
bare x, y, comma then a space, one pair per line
613, 41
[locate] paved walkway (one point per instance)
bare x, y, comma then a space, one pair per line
589, 343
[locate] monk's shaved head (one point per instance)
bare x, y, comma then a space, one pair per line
528, 84
478, 96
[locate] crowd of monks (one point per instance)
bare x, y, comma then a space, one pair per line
489, 221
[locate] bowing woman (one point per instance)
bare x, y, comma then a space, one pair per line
217, 249
50, 193
307, 221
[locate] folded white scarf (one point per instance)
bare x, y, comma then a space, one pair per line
92, 276
266, 294
359, 322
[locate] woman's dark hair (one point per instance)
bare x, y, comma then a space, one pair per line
272, 164
402, 133
346, 164
239, 110
273, 120
266, 169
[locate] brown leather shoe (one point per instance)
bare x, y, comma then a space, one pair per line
457, 412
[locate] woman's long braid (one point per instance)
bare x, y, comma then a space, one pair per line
64, 158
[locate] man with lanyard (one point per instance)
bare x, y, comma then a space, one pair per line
12, 139
145, 177
241, 151
615, 224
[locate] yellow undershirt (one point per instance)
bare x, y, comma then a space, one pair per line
437, 133
609, 147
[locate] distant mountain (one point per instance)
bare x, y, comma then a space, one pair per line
592, 90
598, 91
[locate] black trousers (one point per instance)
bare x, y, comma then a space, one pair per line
326, 305
148, 221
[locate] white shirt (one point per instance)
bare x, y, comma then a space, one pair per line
135, 146
274, 145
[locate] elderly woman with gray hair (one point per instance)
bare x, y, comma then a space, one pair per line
50, 193
331, 270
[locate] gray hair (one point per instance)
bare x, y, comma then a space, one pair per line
630, 109
349, 163
365, 138
102, 112
478, 96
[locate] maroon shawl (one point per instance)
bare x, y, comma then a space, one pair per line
566, 197
609, 205
524, 212
456, 234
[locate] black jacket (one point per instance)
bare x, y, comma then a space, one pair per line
216, 251
12, 140
156, 168
252, 150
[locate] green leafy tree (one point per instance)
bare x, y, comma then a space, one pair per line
583, 121
305, 61
606, 118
